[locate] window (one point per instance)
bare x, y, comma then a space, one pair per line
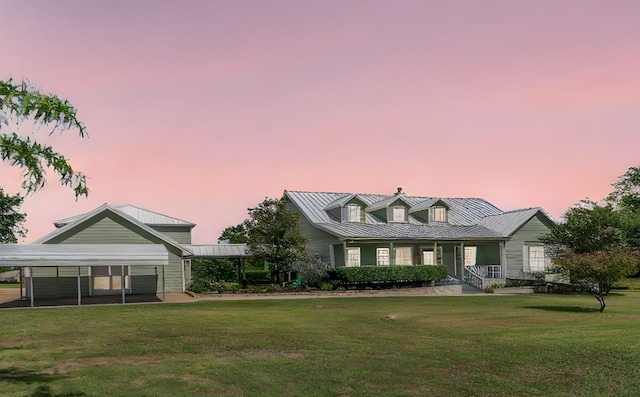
403, 256
382, 257
353, 257
428, 258
439, 214
351, 213
470, 256
536, 259
398, 214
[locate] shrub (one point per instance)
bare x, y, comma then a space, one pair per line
210, 270
258, 276
312, 270
376, 275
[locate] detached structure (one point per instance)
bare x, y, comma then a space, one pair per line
112, 250
475, 240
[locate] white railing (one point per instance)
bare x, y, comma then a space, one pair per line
472, 277
481, 276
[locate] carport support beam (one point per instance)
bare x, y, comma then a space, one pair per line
122, 278
31, 284
79, 290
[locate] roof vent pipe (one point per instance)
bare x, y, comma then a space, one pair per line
399, 191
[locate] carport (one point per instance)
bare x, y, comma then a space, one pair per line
30, 256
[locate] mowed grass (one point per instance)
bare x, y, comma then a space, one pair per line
520, 345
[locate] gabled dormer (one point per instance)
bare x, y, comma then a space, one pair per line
394, 209
431, 211
349, 208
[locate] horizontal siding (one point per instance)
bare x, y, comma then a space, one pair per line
318, 241
181, 235
107, 230
529, 232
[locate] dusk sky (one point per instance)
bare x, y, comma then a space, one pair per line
201, 109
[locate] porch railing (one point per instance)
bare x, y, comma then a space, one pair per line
472, 277
480, 276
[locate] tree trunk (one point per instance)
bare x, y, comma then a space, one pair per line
600, 299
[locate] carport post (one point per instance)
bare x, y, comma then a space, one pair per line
79, 290
163, 297
122, 283
31, 284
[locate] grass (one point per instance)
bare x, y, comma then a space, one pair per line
521, 345
9, 285
628, 283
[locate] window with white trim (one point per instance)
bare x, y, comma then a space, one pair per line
403, 256
439, 214
382, 257
428, 257
470, 256
351, 213
353, 257
398, 214
536, 259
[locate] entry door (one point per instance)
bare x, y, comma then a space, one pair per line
106, 280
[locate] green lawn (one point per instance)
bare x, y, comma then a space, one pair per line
521, 345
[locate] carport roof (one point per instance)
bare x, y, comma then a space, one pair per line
83, 255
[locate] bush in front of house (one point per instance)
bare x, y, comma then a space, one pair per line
208, 274
254, 277
380, 276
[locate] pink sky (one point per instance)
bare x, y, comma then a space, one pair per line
201, 109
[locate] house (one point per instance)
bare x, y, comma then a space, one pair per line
474, 239
112, 250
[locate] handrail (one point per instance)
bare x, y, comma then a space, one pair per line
472, 277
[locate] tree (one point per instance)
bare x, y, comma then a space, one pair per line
590, 248
626, 193
11, 219
18, 103
235, 234
275, 236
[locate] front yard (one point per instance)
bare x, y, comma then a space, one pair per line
521, 345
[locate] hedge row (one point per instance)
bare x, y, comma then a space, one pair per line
387, 274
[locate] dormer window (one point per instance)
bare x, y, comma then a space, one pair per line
398, 214
439, 214
352, 213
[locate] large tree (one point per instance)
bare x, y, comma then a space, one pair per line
20, 102
275, 236
596, 244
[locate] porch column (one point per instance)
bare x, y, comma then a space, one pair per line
392, 254
183, 277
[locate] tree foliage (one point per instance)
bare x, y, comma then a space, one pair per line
596, 245
235, 234
11, 219
275, 236
20, 102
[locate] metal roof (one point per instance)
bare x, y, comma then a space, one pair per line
467, 218
509, 222
83, 255
220, 250
142, 215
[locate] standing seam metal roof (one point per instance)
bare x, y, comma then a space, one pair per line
468, 218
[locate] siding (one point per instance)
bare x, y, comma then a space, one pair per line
108, 230
529, 232
318, 241
179, 234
